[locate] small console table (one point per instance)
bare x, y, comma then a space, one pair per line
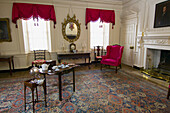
9, 59
71, 55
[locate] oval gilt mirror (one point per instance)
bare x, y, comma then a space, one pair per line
71, 29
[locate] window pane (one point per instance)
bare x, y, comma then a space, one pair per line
105, 35
37, 34
99, 34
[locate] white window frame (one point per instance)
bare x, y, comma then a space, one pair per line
106, 39
26, 35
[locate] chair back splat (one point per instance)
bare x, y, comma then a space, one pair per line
39, 57
39, 54
98, 52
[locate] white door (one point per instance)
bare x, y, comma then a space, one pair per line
128, 37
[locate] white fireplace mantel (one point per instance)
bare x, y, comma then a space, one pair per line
156, 40
156, 43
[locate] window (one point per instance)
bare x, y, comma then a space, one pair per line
99, 34
36, 34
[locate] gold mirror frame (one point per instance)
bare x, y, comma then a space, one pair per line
64, 24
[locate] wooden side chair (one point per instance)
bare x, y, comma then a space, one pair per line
98, 52
39, 57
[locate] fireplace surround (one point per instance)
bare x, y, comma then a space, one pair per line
164, 63
157, 57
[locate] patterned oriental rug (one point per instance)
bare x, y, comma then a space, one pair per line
96, 92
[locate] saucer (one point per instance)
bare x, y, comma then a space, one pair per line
56, 69
59, 66
71, 64
67, 66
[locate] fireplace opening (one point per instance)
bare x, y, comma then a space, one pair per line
158, 64
164, 60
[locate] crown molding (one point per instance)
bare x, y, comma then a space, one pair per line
104, 4
128, 3
109, 2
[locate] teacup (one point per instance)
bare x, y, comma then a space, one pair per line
67, 66
59, 66
54, 67
63, 66
57, 69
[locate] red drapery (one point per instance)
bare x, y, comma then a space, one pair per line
107, 16
26, 11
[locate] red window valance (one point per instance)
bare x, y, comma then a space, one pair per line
107, 16
26, 11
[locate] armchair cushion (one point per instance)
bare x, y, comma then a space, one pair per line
111, 62
41, 61
99, 57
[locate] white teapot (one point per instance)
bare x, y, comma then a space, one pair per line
44, 66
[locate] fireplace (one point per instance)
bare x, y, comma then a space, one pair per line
157, 57
164, 60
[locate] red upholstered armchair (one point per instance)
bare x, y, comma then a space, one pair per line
113, 56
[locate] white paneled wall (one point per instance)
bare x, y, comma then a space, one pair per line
145, 14
143, 21
16, 47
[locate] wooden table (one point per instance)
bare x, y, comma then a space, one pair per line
9, 59
60, 73
71, 55
34, 86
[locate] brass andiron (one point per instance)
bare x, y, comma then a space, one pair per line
157, 73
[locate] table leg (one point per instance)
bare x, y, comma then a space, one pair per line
73, 80
60, 87
25, 96
33, 101
10, 66
13, 63
45, 89
45, 85
89, 62
36, 93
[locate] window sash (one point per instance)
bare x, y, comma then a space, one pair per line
99, 36
36, 35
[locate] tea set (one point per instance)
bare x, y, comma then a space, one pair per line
56, 68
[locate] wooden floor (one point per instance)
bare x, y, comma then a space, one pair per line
125, 68
25, 73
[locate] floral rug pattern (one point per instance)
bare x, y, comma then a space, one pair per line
96, 92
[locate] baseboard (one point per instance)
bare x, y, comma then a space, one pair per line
16, 70
95, 61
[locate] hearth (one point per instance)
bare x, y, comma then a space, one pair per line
165, 60
158, 64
